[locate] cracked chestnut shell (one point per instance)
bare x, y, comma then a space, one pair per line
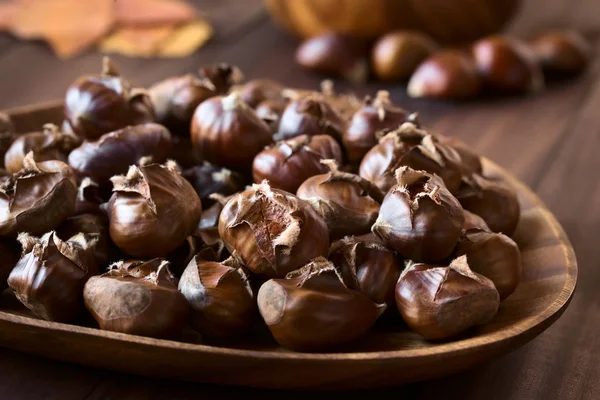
439, 302
89, 197
114, 152
348, 203
272, 231
49, 277
98, 104
374, 116
290, 162
37, 198
152, 210
139, 298
95, 226
227, 132
313, 310
310, 115
415, 148
419, 217
49, 144
220, 296
207, 179
562, 52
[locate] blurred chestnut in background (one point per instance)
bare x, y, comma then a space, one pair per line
256, 91
562, 52
310, 115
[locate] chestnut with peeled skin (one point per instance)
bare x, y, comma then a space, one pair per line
310, 115
37, 198
366, 265
114, 152
562, 52
49, 144
152, 210
207, 179
290, 162
227, 132
220, 297
419, 217
374, 116
312, 309
493, 201
49, 277
139, 298
272, 231
98, 104
95, 226
439, 302
258, 90
9, 255
414, 148
348, 203
89, 198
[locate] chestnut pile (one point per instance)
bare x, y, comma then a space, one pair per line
212, 204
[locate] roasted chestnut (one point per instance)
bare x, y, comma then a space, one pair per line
227, 132
49, 277
114, 152
419, 217
348, 203
37, 198
471, 162
439, 302
414, 148
562, 52
310, 115
95, 226
9, 255
89, 197
7, 135
374, 116
152, 210
137, 297
49, 144
312, 309
272, 231
290, 162
208, 179
222, 75
220, 297
98, 104
256, 91
366, 265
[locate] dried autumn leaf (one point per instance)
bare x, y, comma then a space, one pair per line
153, 12
137, 41
187, 39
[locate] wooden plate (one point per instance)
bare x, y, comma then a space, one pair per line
387, 355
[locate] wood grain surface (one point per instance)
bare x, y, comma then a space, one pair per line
548, 140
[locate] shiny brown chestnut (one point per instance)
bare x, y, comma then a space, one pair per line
366, 265
7, 135
37, 198
9, 255
139, 298
228, 133
439, 302
471, 161
419, 218
493, 201
313, 310
448, 74
49, 277
258, 90
207, 179
95, 226
415, 148
49, 144
348, 203
152, 210
98, 104
272, 231
507, 65
374, 116
290, 162
335, 54
474, 221
562, 52
396, 55
220, 296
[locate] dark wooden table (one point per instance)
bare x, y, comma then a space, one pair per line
550, 141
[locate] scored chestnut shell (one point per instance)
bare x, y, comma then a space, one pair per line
272, 231
290, 162
440, 302
139, 298
366, 265
415, 148
114, 152
94, 225
207, 179
312, 309
98, 104
310, 115
493, 255
258, 90
37, 198
9, 255
493, 201
152, 210
220, 297
49, 277
49, 144
374, 116
227, 132
348, 203
419, 217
